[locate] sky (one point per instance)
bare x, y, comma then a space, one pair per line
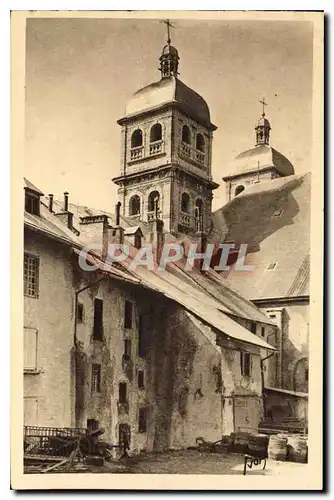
80, 73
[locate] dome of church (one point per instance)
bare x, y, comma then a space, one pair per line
261, 157
170, 90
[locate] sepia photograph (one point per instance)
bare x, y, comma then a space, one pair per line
167, 188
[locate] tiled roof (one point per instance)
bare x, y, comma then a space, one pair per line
273, 219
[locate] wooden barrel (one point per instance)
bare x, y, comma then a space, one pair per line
277, 448
258, 445
297, 448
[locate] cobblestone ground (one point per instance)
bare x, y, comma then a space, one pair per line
195, 462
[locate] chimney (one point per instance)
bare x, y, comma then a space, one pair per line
118, 213
118, 230
66, 201
65, 216
200, 235
51, 203
157, 237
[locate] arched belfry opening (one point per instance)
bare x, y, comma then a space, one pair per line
166, 149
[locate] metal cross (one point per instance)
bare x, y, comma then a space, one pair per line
263, 102
169, 25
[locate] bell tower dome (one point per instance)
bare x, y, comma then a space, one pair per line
166, 152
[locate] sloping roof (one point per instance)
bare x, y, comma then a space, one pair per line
169, 90
287, 392
273, 219
259, 158
49, 225
29, 185
206, 298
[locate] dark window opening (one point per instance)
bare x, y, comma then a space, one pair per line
238, 190
245, 364
127, 314
152, 200
156, 133
31, 276
185, 203
141, 384
200, 143
127, 350
271, 266
137, 139
199, 207
80, 313
96, 378
32, 204
98, 320
92, 424
186, 136
253, 327
134, 205
142, 423
306, 374
122, 392
141, 331
262, 331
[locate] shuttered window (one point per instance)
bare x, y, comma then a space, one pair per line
30, 349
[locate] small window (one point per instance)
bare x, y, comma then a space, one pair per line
96, 378
141, 384
156, 133
199, 207
92, 424
273, 316
263, 330
271, 266
185, 203
245, 364
134, 205
137, 139
127, 314
278, 213
186, 136
142, 423
31, 275
306, 374
122, 392
80, 313
98, 320
238, 190
31, 204
30, 349
154, 197
200, 143
141, 337
127, 349
253, 327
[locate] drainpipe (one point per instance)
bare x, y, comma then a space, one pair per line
262, 379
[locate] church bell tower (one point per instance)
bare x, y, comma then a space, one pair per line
166, 153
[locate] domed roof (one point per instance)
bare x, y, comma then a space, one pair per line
169, 49
263, 122
170, 90
260, 157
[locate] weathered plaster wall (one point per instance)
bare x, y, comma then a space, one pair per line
293, 325
51, 314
